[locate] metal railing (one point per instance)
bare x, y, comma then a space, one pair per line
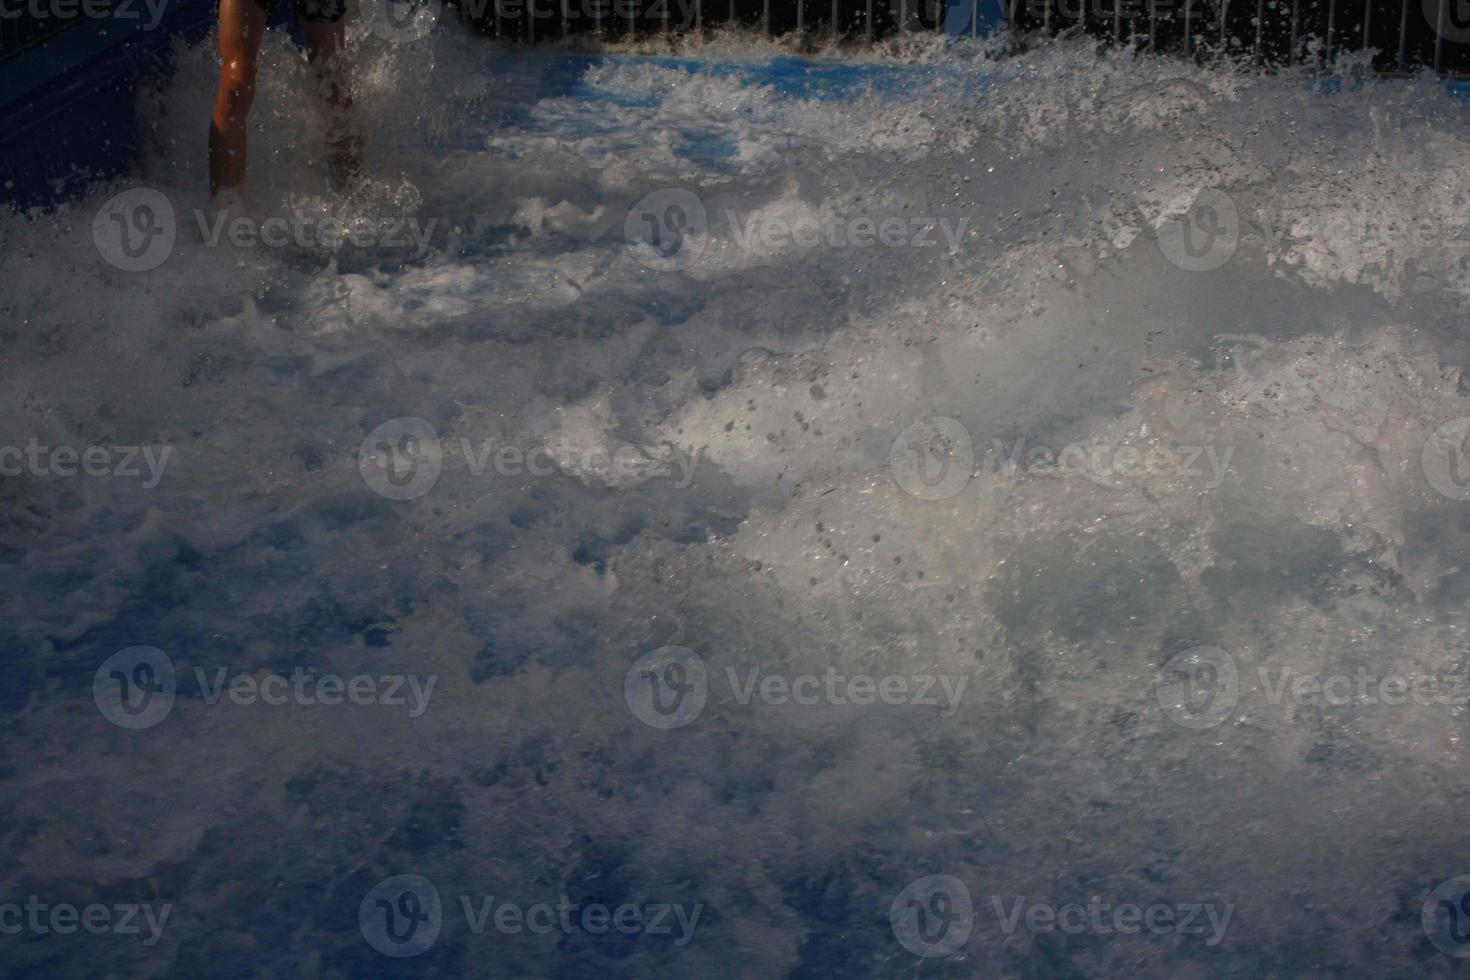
856, 20
1405, 34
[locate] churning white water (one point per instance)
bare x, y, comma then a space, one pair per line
800, 481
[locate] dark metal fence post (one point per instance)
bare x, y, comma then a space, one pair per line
1403, 31
1438, 33
1295, 21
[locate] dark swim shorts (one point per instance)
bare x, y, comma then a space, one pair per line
313, 11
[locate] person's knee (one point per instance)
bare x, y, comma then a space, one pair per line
237, 85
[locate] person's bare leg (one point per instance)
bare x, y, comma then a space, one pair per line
326, 49
241, 24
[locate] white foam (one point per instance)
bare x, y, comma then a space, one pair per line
1321, 361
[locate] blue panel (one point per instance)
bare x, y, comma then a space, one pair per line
68, 106
964, 18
